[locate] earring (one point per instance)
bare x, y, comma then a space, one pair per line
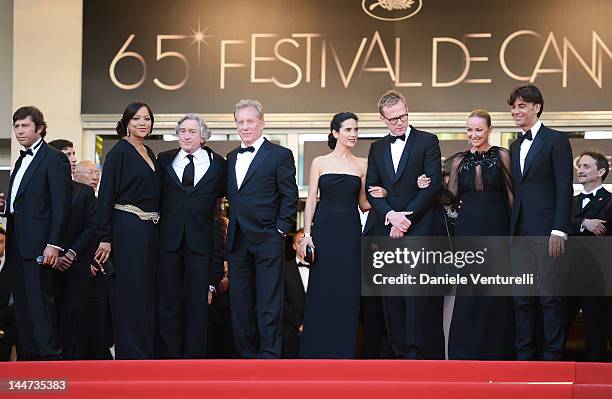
128, 132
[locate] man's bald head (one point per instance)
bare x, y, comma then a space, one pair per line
87, 172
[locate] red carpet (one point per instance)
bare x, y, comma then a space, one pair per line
297, 379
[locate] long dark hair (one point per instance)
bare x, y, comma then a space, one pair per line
336, 124
128, 114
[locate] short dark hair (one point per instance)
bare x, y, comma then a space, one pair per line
529, 93
129, 113
600, 161
37, 117
336, 124
2, 231
300, 231
61, 144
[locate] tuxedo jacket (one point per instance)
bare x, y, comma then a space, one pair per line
189, 214
267, 199
294, 298
421, 155
7, 313
42, 204
599, 207
81, 236
543, 192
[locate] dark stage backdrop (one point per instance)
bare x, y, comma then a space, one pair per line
310, 56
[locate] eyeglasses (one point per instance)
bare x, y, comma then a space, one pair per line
394, 121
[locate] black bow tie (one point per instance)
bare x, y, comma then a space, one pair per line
526, 136
394, 138
583, 196
300, 264
22, 153
246, 149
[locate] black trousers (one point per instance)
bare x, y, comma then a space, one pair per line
256, 295
530, 255
182, 289
74, 314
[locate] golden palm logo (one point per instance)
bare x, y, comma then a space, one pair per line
391, 10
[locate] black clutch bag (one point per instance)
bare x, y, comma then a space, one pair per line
310, 256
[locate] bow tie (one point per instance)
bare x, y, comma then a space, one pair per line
583, 196
526, 136
22, 153
246, 149
300, 264
394, 138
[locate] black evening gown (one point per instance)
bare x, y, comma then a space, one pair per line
128, 179
482, 327
332, 302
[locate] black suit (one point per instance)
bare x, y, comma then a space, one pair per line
542, 203
265, 203
294, 300
414, 324
75, 284
7, 316
188, 262
596, 310
41, 214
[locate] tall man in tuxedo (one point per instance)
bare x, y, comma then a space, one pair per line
263, 197
296, 274
38, 210
414, 324
542, 179
591, 216
73, 266
189, 269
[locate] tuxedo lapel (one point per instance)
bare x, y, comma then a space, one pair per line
408, 147
38, 158
262, 154
388, 160
212, 171
172, 173
231, 171
533, 150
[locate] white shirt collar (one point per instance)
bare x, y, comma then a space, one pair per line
256, 144
198, 154
594, 190
300, 262
35, 147
535, 128
408, 130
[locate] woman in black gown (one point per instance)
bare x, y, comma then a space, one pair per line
482, 327
334, 285
129, 235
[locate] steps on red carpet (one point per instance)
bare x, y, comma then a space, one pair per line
337, 379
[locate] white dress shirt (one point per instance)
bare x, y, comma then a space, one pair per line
397, 149
1, 262
201, 164
243, 161
26, 161
586, 201
304, 273
526, 144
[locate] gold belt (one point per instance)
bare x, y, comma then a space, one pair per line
152, 216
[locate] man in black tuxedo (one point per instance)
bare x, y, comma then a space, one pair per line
189, 267
591, 214
294, 299
263, 197
414, 324
38, 210
7, 307
73, 267
542, 179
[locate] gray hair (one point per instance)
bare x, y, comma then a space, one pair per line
249, 103
204, 130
